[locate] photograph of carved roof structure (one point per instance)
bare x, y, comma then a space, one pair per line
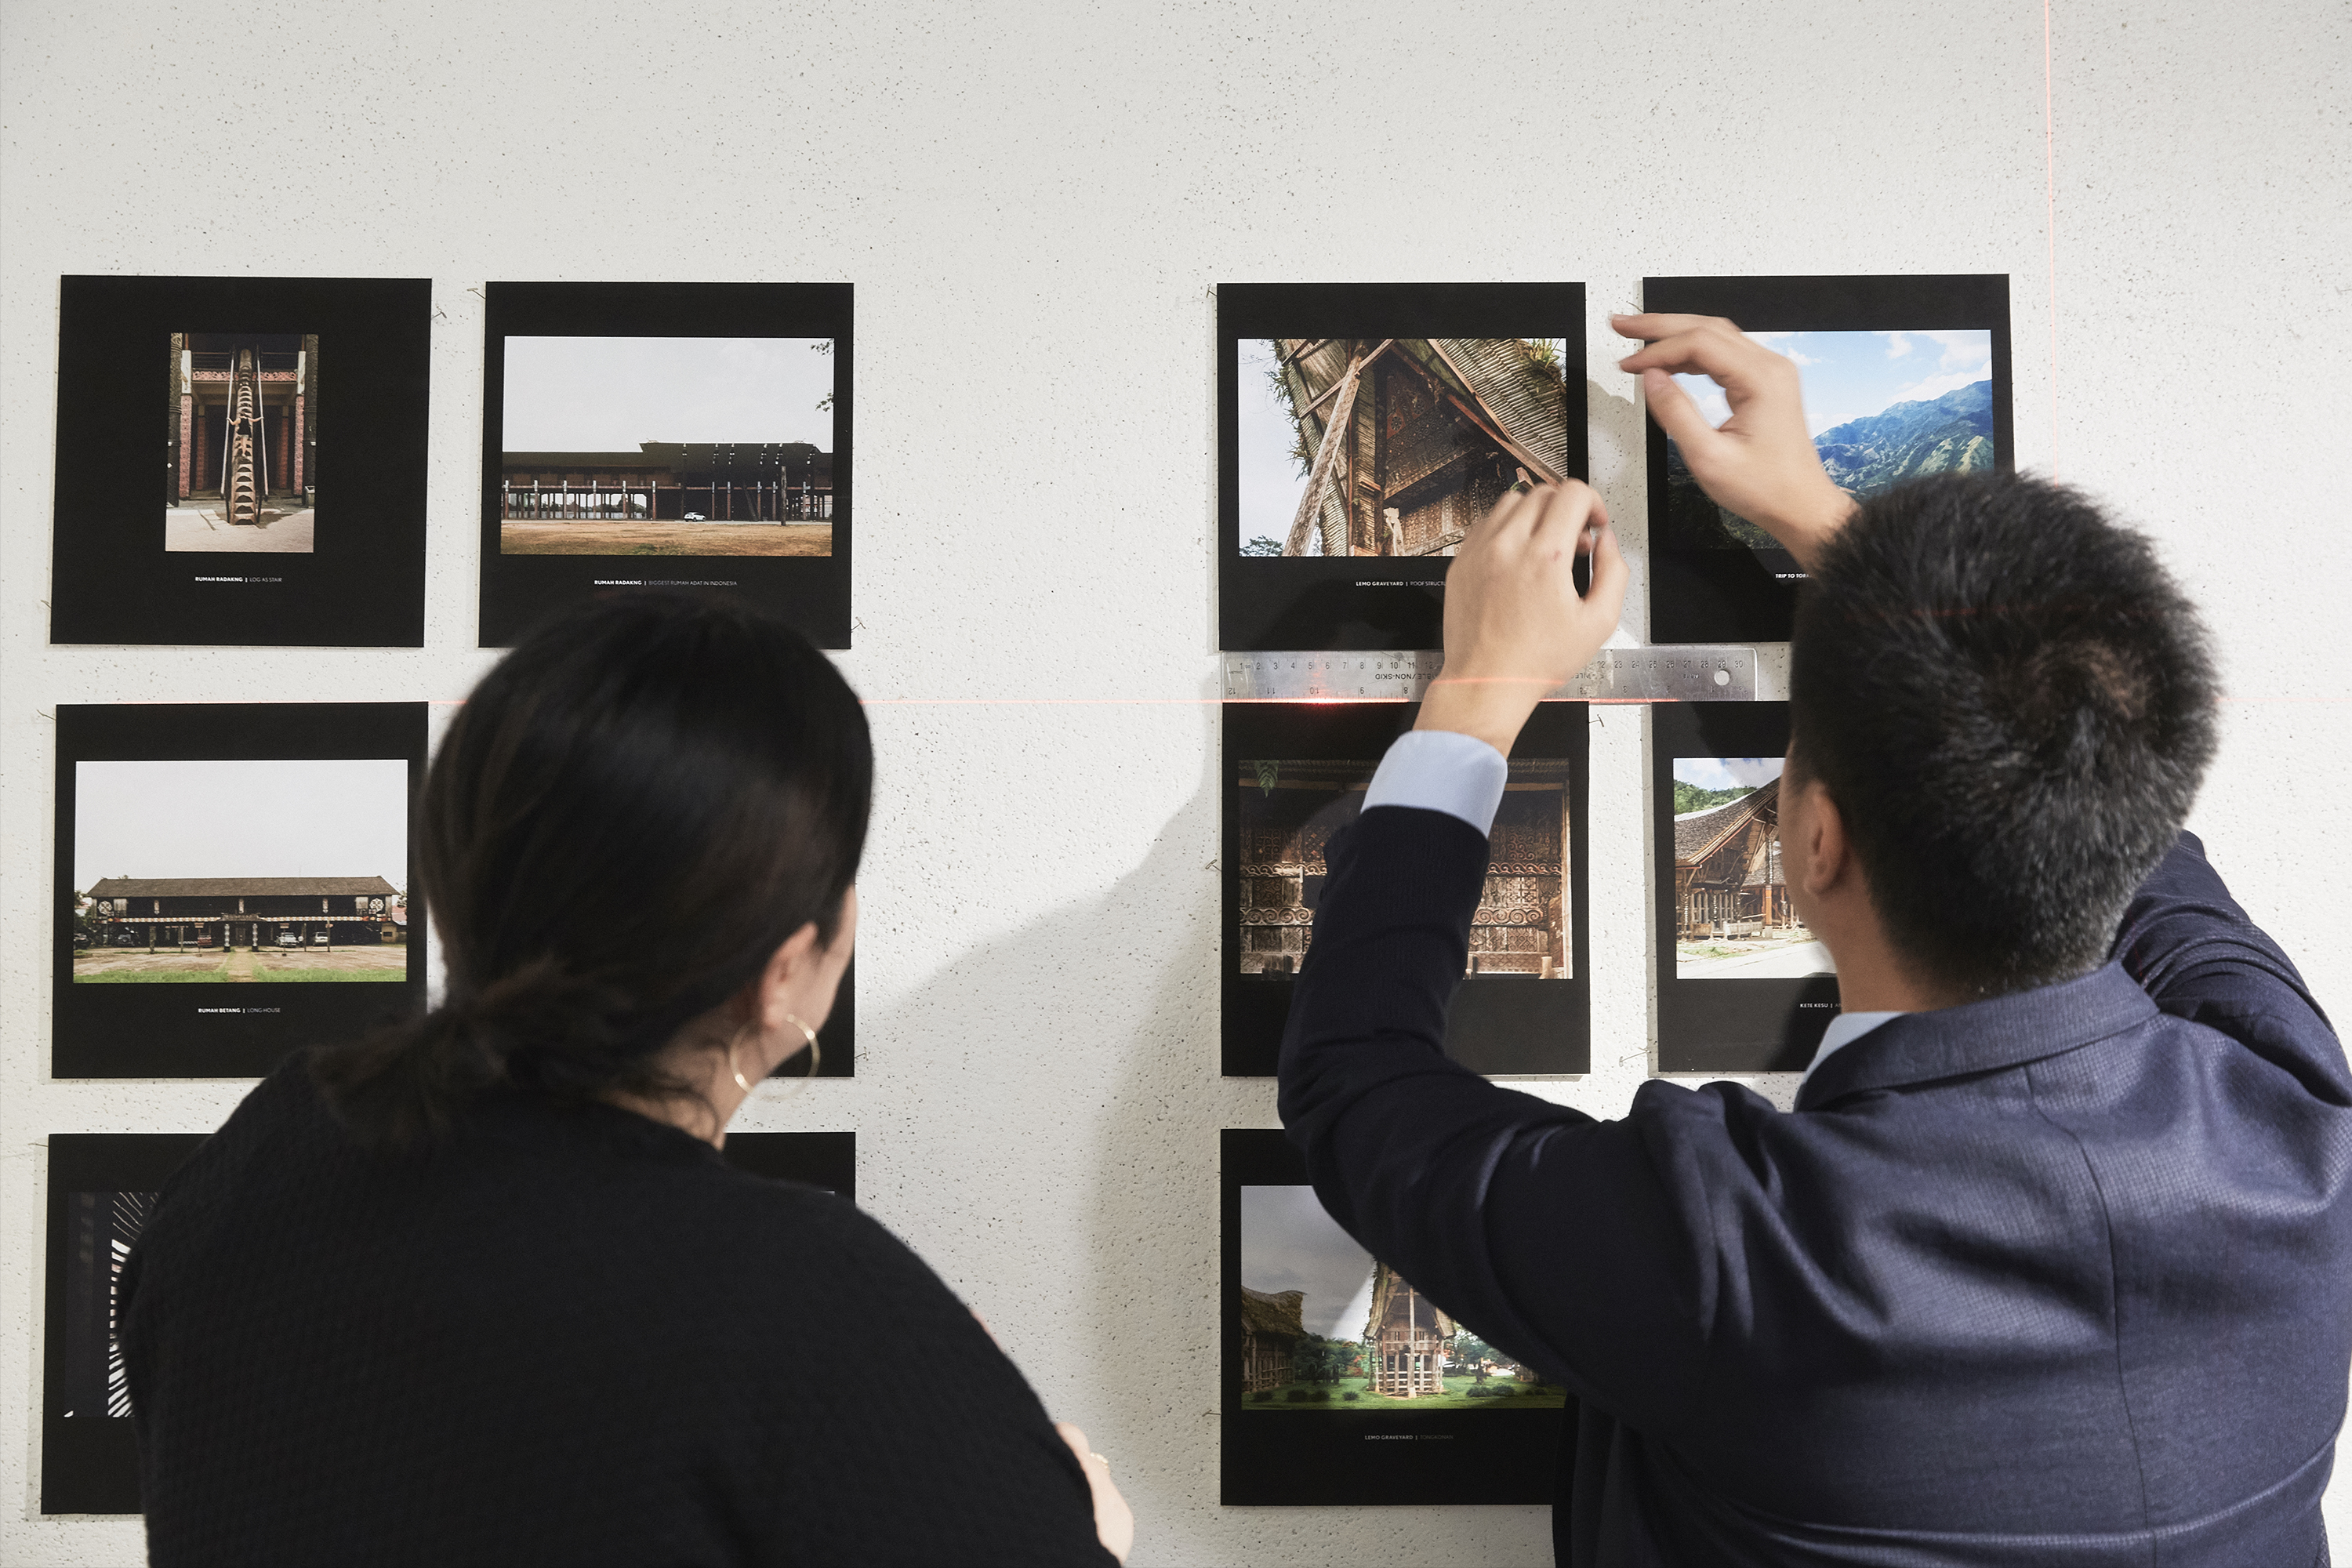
1289, 809
1733, 917
243, 442
1394, 446
588, 469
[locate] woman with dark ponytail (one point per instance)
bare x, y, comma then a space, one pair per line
479, 1287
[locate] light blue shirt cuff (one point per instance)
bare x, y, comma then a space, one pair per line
1442, 770
1843, 1030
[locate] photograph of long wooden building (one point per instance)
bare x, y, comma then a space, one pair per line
1288, 810
239, 869
586, 467
241, 445
250, 928
1398, 444
1733, 916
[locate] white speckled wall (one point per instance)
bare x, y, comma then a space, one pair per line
1035, 202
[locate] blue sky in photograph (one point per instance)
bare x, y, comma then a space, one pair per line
1727, 772
614, 394
1288, 1243
1271, 483
274, 817
1850, 376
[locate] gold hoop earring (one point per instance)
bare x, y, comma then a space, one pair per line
815, 1051
741, 1081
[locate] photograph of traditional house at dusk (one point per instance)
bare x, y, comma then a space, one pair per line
243, 442
1390, 446
1881, 408
1288, 810
629, 446
1324, 1326
277, 869
1733, 919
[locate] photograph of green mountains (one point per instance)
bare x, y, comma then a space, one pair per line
1325, 1326
1883, 407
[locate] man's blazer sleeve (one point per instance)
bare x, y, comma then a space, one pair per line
1574, 1243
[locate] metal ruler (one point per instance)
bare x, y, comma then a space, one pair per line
1672, 674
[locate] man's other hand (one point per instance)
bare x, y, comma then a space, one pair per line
1514, 625
1759, 463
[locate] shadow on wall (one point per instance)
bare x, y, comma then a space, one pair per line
1066, 1077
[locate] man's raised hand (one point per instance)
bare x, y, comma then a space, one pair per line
1759, 463
1514, 625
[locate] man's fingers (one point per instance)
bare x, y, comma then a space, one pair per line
1605, 599
1678, 416
1652, 325
1566, 510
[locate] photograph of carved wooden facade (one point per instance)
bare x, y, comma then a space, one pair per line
102, 1187
581, 472
244, 440
1733, 916
1396, 445
1290, 809
1296, 775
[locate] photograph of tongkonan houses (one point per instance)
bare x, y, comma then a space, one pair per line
1733, 918
1325, 1326
278, 871
641, 446
1353, 446
1882, 408
100, 1229
243, 434
1288, 810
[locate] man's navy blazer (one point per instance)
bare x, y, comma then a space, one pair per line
2058, 1278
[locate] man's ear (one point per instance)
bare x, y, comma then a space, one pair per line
1829, 856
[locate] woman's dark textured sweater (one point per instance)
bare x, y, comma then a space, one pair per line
562, 1337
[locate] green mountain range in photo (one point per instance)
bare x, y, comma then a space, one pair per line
1951, 434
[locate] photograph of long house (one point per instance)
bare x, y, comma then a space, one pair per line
587, 467
1882, 408
1288, 810
1732, 914
1324, 1325
205, 871
1390, 446
242, 444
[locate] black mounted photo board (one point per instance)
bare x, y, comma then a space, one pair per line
103, 1186
288, 508
1353, 453
827, 1160
1294, 772
231, 883
687, 436
1339, 1381
1904, 376
1742, 985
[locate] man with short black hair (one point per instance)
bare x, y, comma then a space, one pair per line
2050, 1264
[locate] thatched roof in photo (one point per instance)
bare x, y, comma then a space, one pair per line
1275, 1316
1497, 383
1702, 832
243, 888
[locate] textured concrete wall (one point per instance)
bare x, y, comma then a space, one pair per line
1035, 202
